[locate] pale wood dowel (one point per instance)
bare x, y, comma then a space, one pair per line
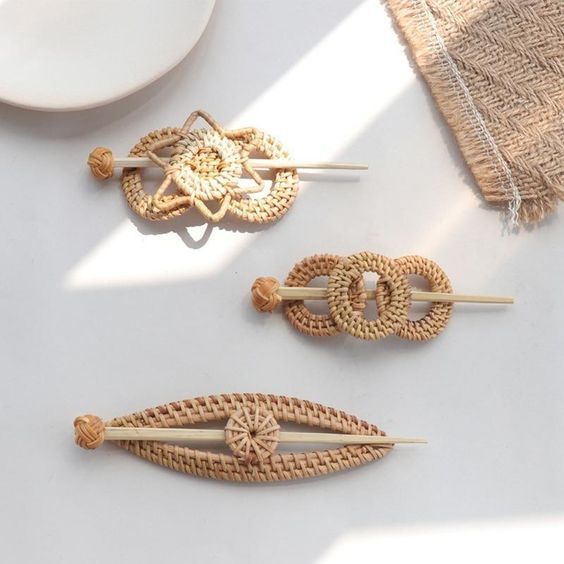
418, 296
307, 293
143, 162
218, 435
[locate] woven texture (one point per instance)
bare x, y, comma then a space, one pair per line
206, 166
252, 434
301, 318
346, 296
433, 323
249, 463
496, 70
346, 273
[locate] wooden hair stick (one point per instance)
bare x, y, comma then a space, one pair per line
309, 293
218, 435
144, 162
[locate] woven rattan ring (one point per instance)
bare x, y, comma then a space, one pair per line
433, 323
346, 273
205, 167
301, 318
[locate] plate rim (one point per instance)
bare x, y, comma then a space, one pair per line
122, 95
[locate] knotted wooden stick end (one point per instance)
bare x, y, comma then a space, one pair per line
89, 431
101, 163
265, 294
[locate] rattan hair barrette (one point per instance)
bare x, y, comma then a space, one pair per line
346, 296
252, 433
207, 166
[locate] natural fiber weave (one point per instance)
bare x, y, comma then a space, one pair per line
249, 462
496, 70
436, 319
206, 166
347, 272
264, 292
89, 431
252, 434
301, 318
346, 296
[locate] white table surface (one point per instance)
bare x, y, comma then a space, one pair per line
105, 313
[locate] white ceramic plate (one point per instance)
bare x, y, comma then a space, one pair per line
77, 54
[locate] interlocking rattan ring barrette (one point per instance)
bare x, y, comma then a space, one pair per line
252, 433
207, 165
346, 296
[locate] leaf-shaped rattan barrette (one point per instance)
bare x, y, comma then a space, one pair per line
252, 433
347, 295
206, 166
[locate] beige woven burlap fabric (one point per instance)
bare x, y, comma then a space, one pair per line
496, 70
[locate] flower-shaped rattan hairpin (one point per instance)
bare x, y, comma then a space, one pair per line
252, 433
346, 296
207, 166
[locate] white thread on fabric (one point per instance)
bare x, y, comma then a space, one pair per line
467, 103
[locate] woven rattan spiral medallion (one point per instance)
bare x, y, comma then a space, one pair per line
252, 434
205, 166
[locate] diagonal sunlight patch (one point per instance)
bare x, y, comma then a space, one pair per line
443, 229
517, 541
361, 64
127, 258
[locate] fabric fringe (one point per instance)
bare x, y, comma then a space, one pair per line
514, 150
